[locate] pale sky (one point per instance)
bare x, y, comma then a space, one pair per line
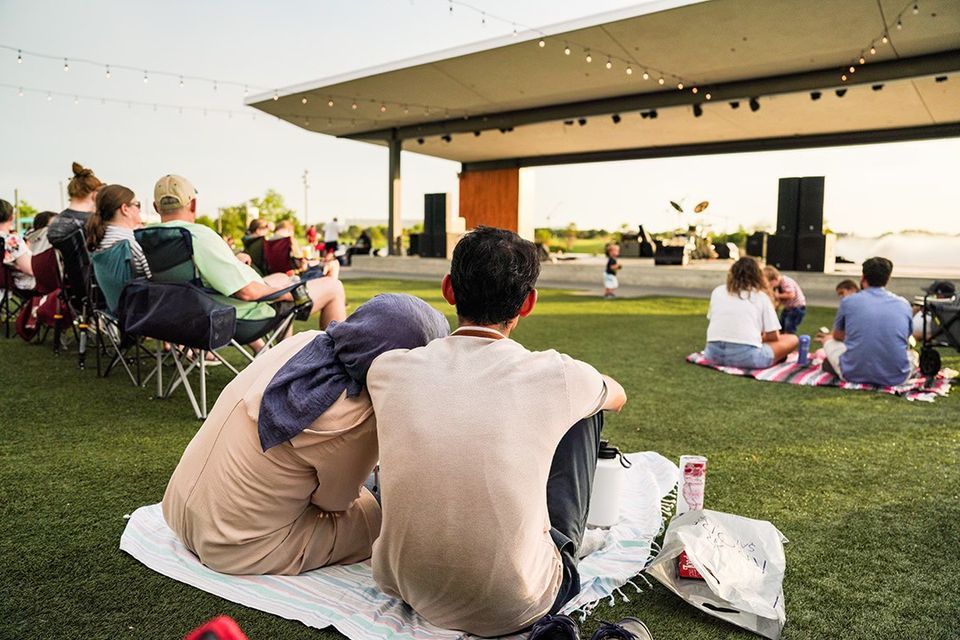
869, 189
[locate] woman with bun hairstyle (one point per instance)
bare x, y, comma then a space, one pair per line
116, 215
82, 190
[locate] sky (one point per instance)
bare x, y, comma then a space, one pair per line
870, 190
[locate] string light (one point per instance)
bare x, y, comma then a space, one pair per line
66, 65
660, 80
884, 39
646, 76
899, 25
863, 60
330, 102
108, 72
629, 71
873, 51
49, 97
566, 50
694, 90
852, 69
708, 96
303, 100
76, 100
383, 108
609, 64
20, 92
19, 57
843, 77
680, 86
916, 9
589, 57
214, 85
542, 43
515, 32
181, 81
145, 79
354, 106
276, 95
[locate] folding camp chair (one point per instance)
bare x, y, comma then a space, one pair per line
112, 270
169, 252
11, 298
276, 255
253, 247
46, 271
943, 314
75, 286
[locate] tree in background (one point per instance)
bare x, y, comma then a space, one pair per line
570, 235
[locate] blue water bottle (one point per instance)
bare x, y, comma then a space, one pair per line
803, 352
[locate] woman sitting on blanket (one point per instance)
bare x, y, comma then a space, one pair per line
744, 330
273, 483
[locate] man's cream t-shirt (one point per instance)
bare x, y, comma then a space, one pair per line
468, 427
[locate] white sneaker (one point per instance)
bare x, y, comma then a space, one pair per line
593, 540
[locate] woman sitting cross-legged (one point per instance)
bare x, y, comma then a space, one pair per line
273, 483
744, 330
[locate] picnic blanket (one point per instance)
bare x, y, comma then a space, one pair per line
347, 596
812, 374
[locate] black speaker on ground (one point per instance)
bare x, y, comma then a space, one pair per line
435, 213
815, 253
810, 207
788, 204
757, 245
647, 247
439, 241
426, 245
722, 250
669, 255
414, 249
782, 252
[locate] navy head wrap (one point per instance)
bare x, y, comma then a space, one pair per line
313, 379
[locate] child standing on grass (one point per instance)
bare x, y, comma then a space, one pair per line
610, 282
788, 292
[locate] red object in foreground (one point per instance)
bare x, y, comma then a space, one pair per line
685, 568
221, 628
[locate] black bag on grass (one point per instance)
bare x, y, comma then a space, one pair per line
180, 313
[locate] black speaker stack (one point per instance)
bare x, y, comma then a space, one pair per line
799, 244
757, 245
432, 243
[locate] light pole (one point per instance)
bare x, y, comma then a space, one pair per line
306, 186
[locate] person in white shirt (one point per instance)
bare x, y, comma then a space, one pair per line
487, 455
331, 236
744, 330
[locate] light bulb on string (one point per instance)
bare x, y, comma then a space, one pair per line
680, 86
383, 108
646, 76
66, 65
899, 25
145, 78
566, 50
708, 96
181, 81
884, 39
843, 77
863, 60
483, 18
406, 110
19, 57
542, 43
354, 106
76, 99
303, 100
629, 70
873, 51
694, 90
609, 64
852, 69
20, 92
49, 96
214, 85
916, 9
276, 95
108, 72
515, 32
660, 80
588, 58
330, 102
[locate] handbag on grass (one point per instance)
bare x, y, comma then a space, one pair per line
741, 564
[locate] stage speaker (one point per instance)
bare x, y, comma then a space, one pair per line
439, 242
670, 256
414, 249
788, 204
810, 209
629, 248
435, 213
757, 245
722, 250
816, 253
781, 252
647, 246
426, 245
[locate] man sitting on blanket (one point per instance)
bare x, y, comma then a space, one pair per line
870, 336
487, 455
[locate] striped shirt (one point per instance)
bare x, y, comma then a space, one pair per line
789, 286
115, 234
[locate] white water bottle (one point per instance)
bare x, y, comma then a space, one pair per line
607, 487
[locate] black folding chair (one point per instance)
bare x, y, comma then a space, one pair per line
169, 252
75, 286
11, 298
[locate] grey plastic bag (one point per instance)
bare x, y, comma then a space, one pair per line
742, 564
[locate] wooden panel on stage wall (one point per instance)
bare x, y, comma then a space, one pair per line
491, 198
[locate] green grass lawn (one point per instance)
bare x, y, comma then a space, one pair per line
864, 485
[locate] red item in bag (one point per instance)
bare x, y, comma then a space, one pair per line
685, 568
221, 628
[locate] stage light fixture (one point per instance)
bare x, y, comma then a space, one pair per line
841, 92
697, 111
582, 121
419, 140
940, 79
616, 118
754, 104
735, 104
815, 95
877, 87
446, 138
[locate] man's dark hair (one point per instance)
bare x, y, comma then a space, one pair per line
492, 272
876, 271
42, 219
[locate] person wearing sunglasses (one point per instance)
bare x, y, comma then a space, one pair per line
116, 215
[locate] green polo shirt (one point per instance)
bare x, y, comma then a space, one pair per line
220, 270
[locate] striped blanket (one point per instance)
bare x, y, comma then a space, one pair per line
347, 598
813, 375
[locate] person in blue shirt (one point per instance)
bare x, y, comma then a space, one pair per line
869, 343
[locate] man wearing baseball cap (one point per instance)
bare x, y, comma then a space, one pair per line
175, 199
